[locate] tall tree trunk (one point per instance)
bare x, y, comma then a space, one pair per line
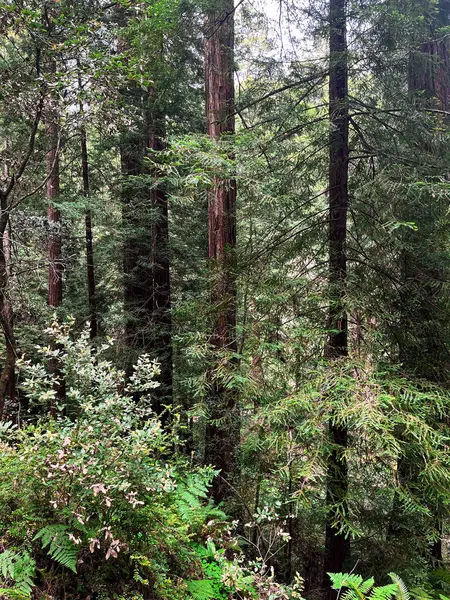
336, 543
54, 217
92, 300
161, 288
54, 245
222, 433
7, 374
429, 67
9, 315
136, 253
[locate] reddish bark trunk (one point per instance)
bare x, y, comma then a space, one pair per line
222, 434
336, 543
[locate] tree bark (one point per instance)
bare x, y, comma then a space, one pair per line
92, 300
160, 260
222, 433
54, 217
336, 542
145, 214
54, 245
429, 67
7, 375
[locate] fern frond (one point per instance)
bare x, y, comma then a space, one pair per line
13, 594
201, 589
384, 592
402, 591
18, 568
367, 585
60, 547
350, 594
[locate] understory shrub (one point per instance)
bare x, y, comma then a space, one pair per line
89, 500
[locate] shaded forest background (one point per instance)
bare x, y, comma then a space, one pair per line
224, 299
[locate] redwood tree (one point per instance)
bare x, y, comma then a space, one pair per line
222, 434
336, 542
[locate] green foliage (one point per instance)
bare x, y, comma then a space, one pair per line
18, 567
202, 590
354, 587
193, 503
60, 546
95, 482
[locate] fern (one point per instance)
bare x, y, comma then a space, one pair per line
358, 589
60, 547
402, 592
20, 569
193, 503
201, 589
13, 594
384, 592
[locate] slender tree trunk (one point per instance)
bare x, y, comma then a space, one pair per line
7, 375
222, 434
9, 315
54, 245
160, 260
89, 237
336, 543
54, 217
7, 382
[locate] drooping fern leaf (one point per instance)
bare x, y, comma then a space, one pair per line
60, 547
402, 591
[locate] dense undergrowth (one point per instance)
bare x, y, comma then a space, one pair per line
97, 500
91, 504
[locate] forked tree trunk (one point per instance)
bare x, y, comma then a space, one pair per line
336, 543
222, 433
